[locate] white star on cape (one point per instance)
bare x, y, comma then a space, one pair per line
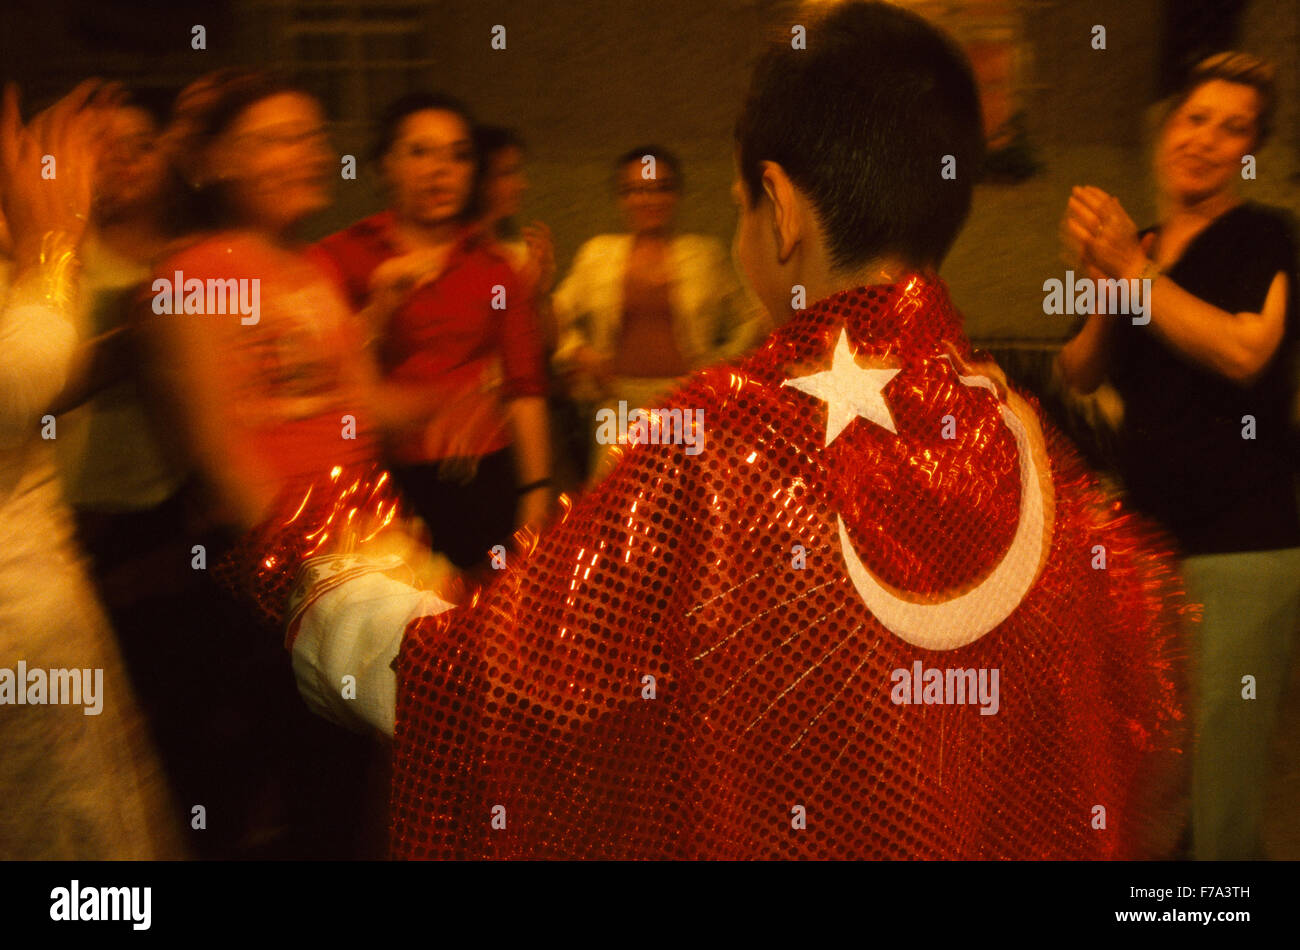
849, 391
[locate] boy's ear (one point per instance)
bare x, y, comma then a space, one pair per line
787, 216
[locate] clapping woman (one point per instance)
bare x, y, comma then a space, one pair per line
1205, 445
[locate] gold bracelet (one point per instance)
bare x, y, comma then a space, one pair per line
47, 277
59, 269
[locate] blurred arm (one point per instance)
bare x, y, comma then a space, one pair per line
525, 387
1083, 361
189, 370
567, 304
38, 343
96, 364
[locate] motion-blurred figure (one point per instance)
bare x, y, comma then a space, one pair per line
76, 782
502, 187
258, 364
136, 515
111, 463
532, 252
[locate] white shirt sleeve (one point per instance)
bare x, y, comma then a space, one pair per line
355, 631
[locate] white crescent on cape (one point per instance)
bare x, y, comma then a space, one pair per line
960, 620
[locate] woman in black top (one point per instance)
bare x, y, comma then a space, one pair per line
1206, 371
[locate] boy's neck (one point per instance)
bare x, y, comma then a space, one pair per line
822, 282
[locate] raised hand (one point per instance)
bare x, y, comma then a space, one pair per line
47, 168
397, 278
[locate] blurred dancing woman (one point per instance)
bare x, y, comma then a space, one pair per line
266, 393
272, 394
137, 515
115, 476
639, 311
447, 306
1207, 387
74, 783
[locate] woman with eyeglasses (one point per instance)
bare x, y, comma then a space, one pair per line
258, 373
264, 381
641, 310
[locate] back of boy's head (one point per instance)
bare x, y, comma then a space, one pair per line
863, 121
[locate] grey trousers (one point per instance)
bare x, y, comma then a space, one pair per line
1243, 648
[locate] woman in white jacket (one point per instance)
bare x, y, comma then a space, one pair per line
640, 311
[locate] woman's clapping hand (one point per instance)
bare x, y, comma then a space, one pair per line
1099, 236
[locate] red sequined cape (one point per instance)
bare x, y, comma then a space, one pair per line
682, 668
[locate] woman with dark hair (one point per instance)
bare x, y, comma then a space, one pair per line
532, 253
258, 364
444, 305
110, 461
263, 373
502, 185
639, 311
1206, 378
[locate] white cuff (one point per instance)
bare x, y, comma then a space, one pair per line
346, 644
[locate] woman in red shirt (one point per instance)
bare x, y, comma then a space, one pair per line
446, 307
261, 365
255, 349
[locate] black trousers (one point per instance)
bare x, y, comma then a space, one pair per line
465, 519
219, 693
